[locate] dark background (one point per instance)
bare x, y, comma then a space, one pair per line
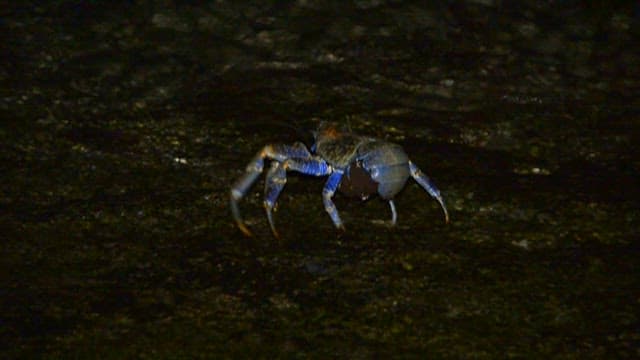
124, 124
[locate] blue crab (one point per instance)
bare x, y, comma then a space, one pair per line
356, 165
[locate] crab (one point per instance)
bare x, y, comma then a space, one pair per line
355, 165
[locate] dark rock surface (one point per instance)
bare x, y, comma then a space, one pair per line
123, 125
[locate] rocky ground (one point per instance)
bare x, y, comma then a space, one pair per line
125, 123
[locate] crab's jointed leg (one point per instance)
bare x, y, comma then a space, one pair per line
278, 153
394, 214
428, 185
277, 178
275, 181
327, 193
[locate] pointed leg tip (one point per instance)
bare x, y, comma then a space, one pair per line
444, 210
245, 230
273, 227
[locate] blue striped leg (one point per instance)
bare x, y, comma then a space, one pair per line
277, 178
428, 185
327, 193
278, 153
273, 185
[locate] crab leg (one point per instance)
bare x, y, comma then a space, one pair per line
277, 153
277, 178
394, 214
273, 185
327, 193
428, 185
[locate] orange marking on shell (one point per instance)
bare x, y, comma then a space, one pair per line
331, 132
266, 151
